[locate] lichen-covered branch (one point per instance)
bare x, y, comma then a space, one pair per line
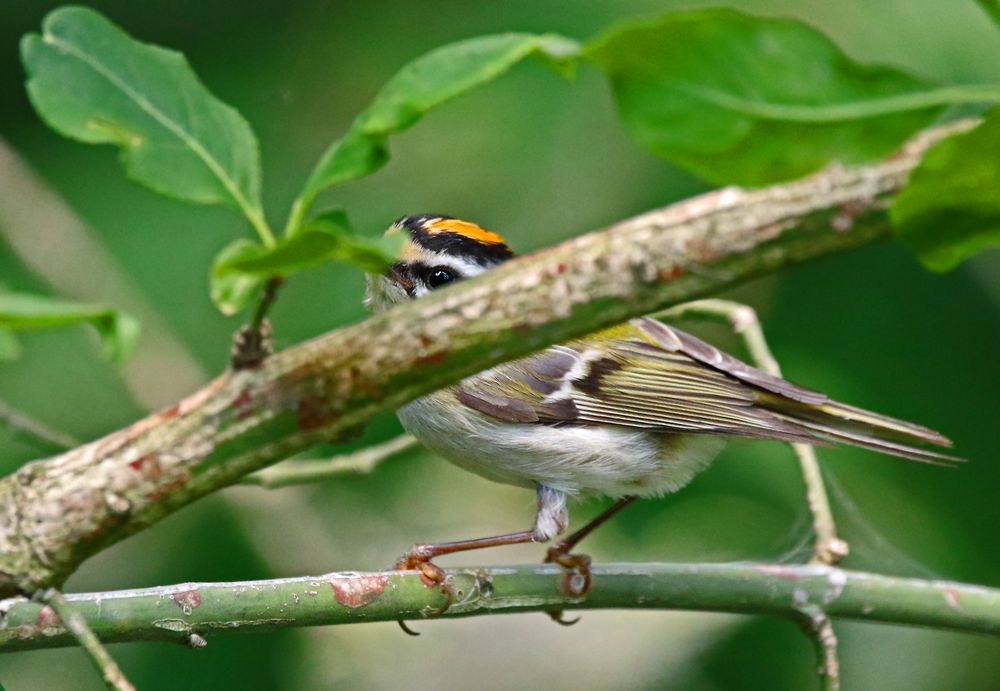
56, 512
204, 610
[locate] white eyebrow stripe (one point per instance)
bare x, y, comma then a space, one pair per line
462, 267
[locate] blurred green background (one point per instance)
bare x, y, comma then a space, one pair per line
539, 159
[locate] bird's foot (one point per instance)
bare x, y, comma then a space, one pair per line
418, 558
576, 580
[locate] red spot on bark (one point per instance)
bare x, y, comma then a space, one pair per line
314, 413
169, 487
187, 600
242, 399
671, 274
425, 341
148, 465
432, 359
357, 591
951, 598
242, 404
170, 412
47, 618
561, 269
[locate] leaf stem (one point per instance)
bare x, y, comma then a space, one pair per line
259, 223
300, 207
252, 343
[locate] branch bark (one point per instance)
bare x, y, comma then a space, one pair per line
56, 512
806, 593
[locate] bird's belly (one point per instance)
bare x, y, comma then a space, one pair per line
588, 459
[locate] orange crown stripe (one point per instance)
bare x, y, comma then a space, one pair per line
463, 228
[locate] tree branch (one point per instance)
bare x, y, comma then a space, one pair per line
803, 593
56, 512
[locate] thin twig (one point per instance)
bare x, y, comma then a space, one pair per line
828, 547
299, 471
75, 622
34, 432
177, 612
252, 343
819, 628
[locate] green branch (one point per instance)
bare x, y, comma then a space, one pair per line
200, 611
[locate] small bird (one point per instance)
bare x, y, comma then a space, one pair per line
636, 410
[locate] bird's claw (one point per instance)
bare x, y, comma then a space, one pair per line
418, 558
559, 617
576, 580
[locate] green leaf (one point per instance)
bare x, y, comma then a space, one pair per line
118, 331
428, 81
950, 209
232, 291
91, 81
742, 99
991, 7
10, 349
324, 238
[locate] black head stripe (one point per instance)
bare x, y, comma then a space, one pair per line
451, 243
456, 245
416, 222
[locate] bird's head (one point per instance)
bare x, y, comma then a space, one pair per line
438, 250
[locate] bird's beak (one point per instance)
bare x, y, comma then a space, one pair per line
395, 274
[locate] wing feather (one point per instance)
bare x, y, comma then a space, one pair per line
647, 375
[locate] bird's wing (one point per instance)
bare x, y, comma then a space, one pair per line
642, 374
647, 375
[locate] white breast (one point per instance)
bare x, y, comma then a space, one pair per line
590, 459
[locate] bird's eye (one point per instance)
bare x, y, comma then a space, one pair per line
439, 277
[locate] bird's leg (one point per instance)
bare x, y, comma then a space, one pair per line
551, 520
577, 582
419, 557
561, 550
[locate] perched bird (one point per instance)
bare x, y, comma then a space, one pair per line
636, 410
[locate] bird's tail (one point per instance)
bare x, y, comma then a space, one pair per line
841, 423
